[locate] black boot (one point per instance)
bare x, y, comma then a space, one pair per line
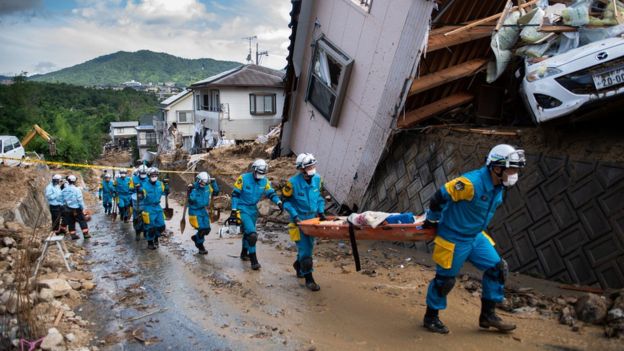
244, 255
202, 249
194, 238
255, 265
433, 323
137, 237
488, 317
297, 267
310, 283
150, 245
156, 241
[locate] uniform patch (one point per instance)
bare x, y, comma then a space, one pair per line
459, 186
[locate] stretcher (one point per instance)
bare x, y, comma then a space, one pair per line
338, 228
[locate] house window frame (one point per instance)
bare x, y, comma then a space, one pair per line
253, 102
323, 46
186, 113
364, 5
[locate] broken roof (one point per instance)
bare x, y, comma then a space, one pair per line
244, 76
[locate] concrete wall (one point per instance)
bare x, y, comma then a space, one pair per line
385, 47
563, 221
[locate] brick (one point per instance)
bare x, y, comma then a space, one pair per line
390, 178
439, 177
552, 164
531, 180
609, 174
466, 150
534, 269
518, 222
550, 259
524, 248
581, 169
416, 206
411, 152
451, 166
611, 202
536, 205
618, 226
571, 239
400, 168
502, 239
412, 170
381, 192
581, 193
512, 261
609, 274
596, 224
413, 188
421, 158
602, 251
555, 185
513, 200
563, 212
426, 193
401, 184
391, 194
403, 203
425, 174
543, 230
579, 268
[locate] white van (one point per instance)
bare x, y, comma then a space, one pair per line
10, 146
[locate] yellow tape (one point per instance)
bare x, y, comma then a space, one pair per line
84, 165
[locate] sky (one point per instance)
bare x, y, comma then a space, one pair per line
40, 36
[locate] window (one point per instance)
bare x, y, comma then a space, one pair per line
364, 4
198, 104
184, 116
211, 101
262, 104
328, 79
147, 138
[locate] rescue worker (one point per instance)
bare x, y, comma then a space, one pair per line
199, 196
248, 191
105, 193
55, 202
153, 217
123, 192
461, 211
138, 180
303, 200
73, 207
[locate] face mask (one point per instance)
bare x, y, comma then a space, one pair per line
311, 172
153, 179
259, 176
123, 176
511, 180
142, 176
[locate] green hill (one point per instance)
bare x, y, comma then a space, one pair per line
143, 66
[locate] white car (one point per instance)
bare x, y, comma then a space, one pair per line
562, 84
11, 147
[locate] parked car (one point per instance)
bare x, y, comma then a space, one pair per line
11, 147
563, 84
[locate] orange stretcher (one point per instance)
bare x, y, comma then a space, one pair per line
333, 228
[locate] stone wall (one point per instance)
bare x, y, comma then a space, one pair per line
563, 221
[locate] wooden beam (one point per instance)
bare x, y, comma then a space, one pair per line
557, 29
423, 113
439, 41
444, 76
488, 19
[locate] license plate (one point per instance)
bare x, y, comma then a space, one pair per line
607, 79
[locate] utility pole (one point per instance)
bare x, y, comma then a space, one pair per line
260, 53
249, 60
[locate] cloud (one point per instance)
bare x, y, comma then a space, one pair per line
44, 67
185, 28
11, 6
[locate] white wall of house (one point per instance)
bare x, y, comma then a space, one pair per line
185, 104
235, 119
371, 39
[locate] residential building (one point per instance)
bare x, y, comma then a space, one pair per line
146, 141
122, 133
177, 113
239, 104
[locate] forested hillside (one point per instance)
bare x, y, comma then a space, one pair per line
77, 117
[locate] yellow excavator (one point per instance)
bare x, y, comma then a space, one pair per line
43, 134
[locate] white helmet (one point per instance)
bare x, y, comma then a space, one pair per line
152, 171
203, 177
505, 156
123, 172
299, 160
142, 169
308, 160
107, 175
71, 178
260, 166
57, 177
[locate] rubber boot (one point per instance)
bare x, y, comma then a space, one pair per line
244, 255
255, 265
137, 236
433, 323
74, 236
489, 319
194, 238
202, 249
297, 267
86, 235
150, 245
156, 241
310, 283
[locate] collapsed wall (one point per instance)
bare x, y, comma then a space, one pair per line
563, 221
23, 196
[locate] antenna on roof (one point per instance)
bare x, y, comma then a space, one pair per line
249, 60
260, 53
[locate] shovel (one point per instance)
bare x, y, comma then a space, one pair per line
114, 212
183, 220
167, 211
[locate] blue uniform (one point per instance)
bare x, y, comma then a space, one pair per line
468, 204
137, 216
73, 204
248, 191
55, 203
198, 200
153, 217
72, 197
124, 188
303, 200
106, 193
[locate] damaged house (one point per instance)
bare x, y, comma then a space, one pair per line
394, 100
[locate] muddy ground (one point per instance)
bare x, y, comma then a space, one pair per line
173, 298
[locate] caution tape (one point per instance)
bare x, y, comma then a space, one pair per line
85, 165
